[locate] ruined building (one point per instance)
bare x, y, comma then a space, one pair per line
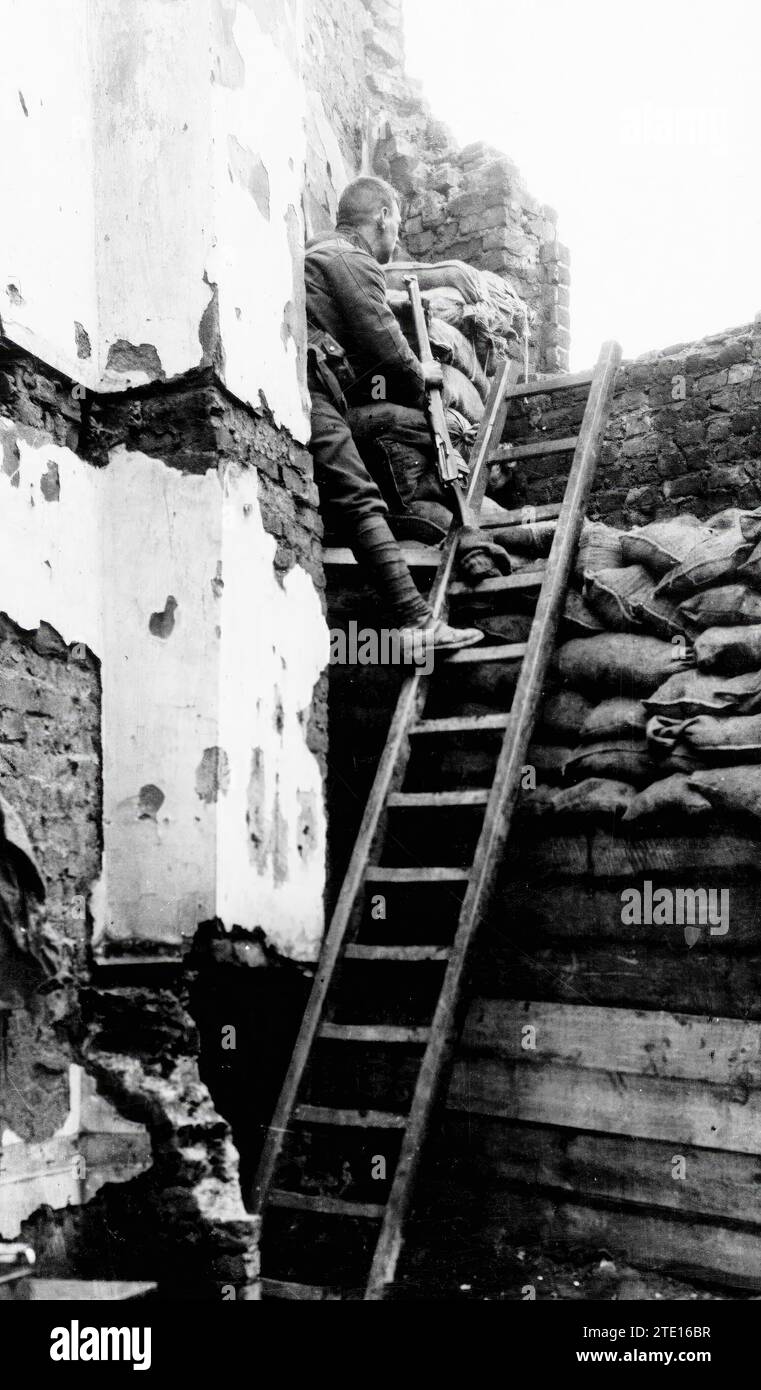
167, 776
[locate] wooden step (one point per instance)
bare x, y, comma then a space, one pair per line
302, 1293
372, 1033
328, 1206
376, 873
436, 801
408, 954
475, 656
349, 1119
513, 453
510, 583
417, 556
461, 724
551, 383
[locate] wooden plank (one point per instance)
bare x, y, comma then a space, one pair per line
716, 1051
350, 1119
548, 847
87, 1290
551, 383
327, 1206
478, 656
540, 910
627, 975
512, 453
680, 1248
419, 801
378, 874
372, 1033
508, 584
498, 815
482, 1155
406, 954
647, 1107
417, 556
461, 724
301, 1293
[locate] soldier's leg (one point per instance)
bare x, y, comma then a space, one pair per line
351, 498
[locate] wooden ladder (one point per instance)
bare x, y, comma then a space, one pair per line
375, 1227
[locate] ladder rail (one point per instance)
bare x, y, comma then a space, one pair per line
497, 817
393, 759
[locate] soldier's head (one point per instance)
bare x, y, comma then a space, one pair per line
371, 206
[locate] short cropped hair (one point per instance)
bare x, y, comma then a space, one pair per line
363, 199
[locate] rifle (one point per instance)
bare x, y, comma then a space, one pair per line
449, 464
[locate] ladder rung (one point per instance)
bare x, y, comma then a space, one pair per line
436, 801
417, 556
462, 724
473, 656
282, 1288
523, 516
377, 874
372, 1033
407, 954
351, 1119
511, 453
505, 585
551, 383
329, 1206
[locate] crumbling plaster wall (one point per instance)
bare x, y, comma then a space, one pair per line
153, 569
170, 142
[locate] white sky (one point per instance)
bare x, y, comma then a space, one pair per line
640, 124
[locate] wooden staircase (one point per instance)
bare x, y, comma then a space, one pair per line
376, 1042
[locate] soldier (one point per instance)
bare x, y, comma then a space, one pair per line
355, 342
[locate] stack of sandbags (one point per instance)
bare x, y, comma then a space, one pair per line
473, 317
670, 724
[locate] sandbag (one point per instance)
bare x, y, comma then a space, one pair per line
436, 275
750, 570
715, 561
461, 394
625, 760
659, 615
529, 539
548, 760
563, 715
670, 799
729, 649
613, 719
619, 663
694, 692
730, 605
445, 305
536, 802
734, 790
614, 594
663, 544
599, 549
578, 620
596, 798
733, 738
749, 522
450, 345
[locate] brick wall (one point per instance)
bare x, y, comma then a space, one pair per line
684, 434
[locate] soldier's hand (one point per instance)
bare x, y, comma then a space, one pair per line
433, 374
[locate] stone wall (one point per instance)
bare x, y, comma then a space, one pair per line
367, 115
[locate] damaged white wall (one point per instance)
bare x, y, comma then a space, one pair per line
153, 162
212, 800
